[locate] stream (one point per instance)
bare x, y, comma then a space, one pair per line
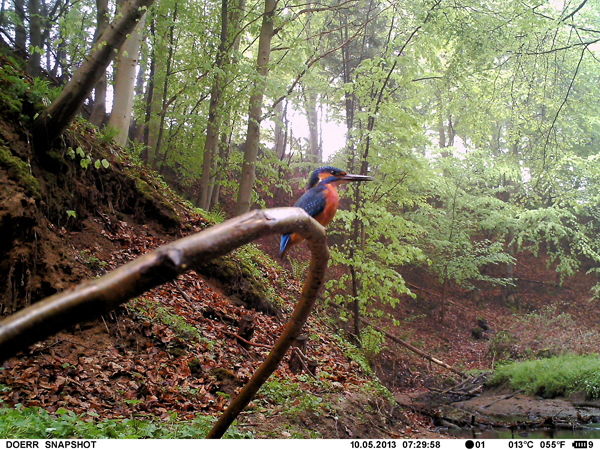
502, 415
592, 431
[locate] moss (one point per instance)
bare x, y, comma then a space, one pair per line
154, 311
241, 282
154, 203
19, 171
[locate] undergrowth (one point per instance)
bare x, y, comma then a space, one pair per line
558, 376
542, 334
155, 312
37, 423
277, 392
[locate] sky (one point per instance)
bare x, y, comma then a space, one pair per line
334, 133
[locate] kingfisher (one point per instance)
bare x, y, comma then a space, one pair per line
321, 199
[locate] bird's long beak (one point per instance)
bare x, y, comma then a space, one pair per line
351, 177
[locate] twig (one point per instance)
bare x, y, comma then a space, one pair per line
506, 397
409, 346
458, 386
237, 336
302, 358
182, 292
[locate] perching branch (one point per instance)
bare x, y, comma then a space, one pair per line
93, 298
310, 292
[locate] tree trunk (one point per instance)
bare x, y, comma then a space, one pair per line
224, 151
159, 104
280, 130
145, 156
50, 124
20, 31
128, 58
234, 12
136, 127
98, 115
212, 130
35, 38
244, 197
312, 116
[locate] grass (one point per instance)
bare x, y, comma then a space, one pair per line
553, 377
37, 423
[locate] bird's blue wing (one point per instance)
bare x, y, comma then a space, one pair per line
285, 240
313, 201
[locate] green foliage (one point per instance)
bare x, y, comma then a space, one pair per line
299, 267
465, 223
373, 342
552, 377
216, 215
355, 354
16, 92
37, 423
91, 260
292, 396
86, 159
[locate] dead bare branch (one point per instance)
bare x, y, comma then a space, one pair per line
310, 292
93, 298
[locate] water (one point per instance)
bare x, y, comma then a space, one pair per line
590, 432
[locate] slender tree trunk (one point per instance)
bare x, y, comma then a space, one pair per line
244, 197
120, 117
159, 105
280, 129
136, 127
149, 99
212, 129
235, 13
350, 103
20, 30
56, 118
35, 38
224, 151
56, 58
98, 115
441, 128
312, 116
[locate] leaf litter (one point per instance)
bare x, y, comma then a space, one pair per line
174, 350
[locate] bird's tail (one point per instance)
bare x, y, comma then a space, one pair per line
285, 242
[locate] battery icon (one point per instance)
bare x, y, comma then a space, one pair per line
580, 444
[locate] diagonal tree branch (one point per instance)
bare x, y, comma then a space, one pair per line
50, 124
94, 298
553, 124
575, 11
310, 292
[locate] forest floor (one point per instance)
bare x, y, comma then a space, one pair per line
174, 351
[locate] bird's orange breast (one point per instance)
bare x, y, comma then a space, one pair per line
331, 205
